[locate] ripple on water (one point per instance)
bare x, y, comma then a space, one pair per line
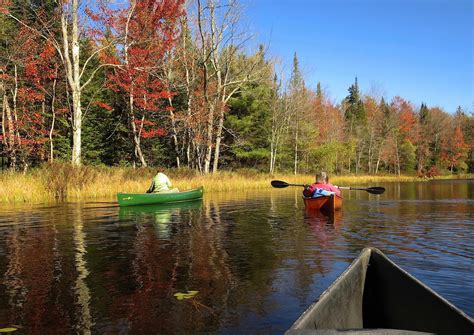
257, 260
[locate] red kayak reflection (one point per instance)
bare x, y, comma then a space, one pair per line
324, 225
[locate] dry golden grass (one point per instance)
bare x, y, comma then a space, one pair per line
61, 181
18, 187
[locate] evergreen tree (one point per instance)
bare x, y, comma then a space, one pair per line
354, 114
422, 149
319, 92
249, 120
301, 129
424, 114
356, 121
297, 84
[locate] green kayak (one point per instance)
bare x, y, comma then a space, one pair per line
133, 199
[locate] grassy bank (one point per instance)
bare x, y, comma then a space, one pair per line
61, 181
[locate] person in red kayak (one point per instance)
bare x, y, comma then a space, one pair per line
321, 187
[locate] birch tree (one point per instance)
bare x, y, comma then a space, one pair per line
279, 124
299, 109
220, 42
67, 45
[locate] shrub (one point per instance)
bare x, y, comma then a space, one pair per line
60, 177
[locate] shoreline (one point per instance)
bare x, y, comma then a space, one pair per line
64, 183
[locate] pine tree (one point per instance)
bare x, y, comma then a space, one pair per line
354, 114
249, 118
296, 81
319, 92
423, 147
356, 121
297, 101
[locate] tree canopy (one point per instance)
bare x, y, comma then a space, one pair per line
164, 83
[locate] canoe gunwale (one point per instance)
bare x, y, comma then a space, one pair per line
163, 193
392, 299
306, 320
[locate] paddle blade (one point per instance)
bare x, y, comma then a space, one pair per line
279, 184
375, 190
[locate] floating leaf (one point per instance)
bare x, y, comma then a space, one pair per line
179, 296
192, 293
187, 295
7, 330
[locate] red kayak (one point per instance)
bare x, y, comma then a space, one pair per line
329, 203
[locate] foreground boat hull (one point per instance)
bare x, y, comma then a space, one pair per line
374, 293
134, 199
330, 203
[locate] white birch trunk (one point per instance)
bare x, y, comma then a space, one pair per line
53, 120
73, 76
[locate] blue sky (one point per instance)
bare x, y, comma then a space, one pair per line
421, 50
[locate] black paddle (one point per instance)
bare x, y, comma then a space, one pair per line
372, 190
283, 184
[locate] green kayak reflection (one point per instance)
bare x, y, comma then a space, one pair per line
160, 215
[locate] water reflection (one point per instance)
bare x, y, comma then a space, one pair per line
258, 259
160, 216
14, 285
323, 225
81, 289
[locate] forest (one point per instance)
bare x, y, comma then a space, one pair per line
164, 83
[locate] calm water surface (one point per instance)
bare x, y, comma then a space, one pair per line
257, 259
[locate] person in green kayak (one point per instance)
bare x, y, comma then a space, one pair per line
161, 183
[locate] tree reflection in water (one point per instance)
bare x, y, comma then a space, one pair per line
177, 248
257, 259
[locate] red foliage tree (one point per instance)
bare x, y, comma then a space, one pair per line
454, 149
28, 77
146, 31
407, 119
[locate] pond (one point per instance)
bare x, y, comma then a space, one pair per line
257, 259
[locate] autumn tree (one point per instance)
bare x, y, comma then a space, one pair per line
375, 122
144, 31
466, 122
220, 43
454, 150
327, 145
78, 72
178, 76
29, 85
402, 120
407, 134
